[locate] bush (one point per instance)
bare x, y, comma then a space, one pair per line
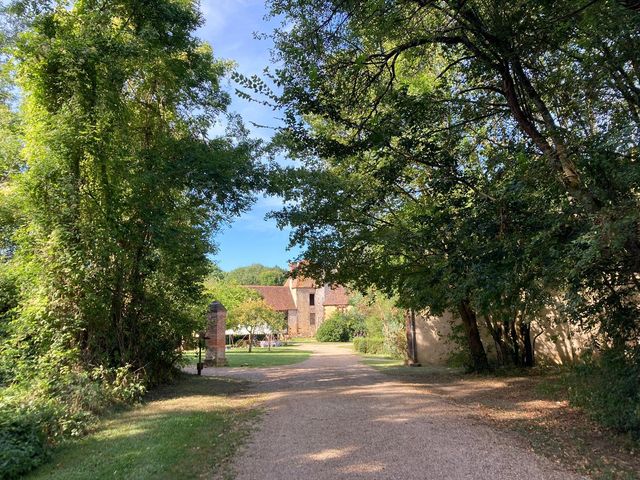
23, 437
62, 405
369, 345
395, 343
340, 327
607, 386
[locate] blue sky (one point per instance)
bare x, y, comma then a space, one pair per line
229, 28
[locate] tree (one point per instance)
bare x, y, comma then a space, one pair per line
257, 274
448, 150
230, 294
255, 314
278, 324
122, 188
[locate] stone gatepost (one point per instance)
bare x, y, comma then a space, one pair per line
215, 341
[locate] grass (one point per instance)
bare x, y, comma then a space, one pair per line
396, 367
303, 340
259, 357
190, 429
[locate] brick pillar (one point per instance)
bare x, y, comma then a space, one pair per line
216, 326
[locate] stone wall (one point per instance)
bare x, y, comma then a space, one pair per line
292, 322
319, 310
305, 328
558, 343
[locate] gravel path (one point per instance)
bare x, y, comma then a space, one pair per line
332, 417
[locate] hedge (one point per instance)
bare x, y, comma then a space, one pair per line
369, 345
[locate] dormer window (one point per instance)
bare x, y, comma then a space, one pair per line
312, 299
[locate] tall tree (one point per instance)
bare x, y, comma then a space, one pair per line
123, 187
437, 113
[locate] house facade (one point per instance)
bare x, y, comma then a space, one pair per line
304, 304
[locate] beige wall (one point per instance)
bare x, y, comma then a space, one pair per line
320, 313
305, 329
300, 319
292, 322
331, 309
558, 343
433, 344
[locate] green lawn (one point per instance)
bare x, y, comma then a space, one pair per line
260, 357
186, 430
303, 340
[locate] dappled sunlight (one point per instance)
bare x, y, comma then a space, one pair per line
196, 403
335, 415
330, 453
171, 436
367, 467
122, 430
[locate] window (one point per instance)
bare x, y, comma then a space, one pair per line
312, 299
312, 319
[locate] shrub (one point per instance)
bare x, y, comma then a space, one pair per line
54, 407
371, 345
395, 343
333, 329
607, 386
23, 436
340, 327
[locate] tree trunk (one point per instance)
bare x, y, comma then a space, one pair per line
470, 323
525, 331
496, 333
250, 341
517, 360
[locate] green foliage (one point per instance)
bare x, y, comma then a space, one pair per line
110, 192
371, 345
607, 386
383, 319
254, 314
156, 440
257, 274
37, 416
123, 190
230, 294
449, 162
340, 327
23, 438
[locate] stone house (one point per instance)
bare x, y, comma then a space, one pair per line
304, 304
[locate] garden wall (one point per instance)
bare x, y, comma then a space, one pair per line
559, 343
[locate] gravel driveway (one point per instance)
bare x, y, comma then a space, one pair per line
331, 417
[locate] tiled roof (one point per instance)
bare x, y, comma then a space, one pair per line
278, 298
336, 296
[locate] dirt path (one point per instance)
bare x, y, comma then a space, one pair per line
332, 417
